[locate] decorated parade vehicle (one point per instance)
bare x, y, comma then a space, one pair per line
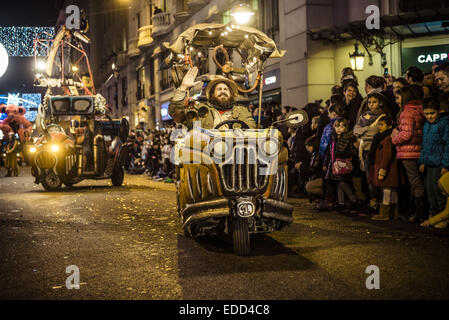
77, 139
231, 180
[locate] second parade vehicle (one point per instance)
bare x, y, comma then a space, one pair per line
75, 138
75, 146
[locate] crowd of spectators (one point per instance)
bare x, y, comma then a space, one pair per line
150, 154
385, 155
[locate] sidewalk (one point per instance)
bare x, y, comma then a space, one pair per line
144, 180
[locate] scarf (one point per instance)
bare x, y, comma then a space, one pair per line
376, 140
373, 115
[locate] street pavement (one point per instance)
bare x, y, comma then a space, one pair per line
128, 244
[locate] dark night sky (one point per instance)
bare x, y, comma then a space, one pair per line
29, 13
19, 75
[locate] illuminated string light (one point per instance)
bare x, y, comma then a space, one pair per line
19, 41
26, 100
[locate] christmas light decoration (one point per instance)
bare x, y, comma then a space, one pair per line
30, 101
19, 41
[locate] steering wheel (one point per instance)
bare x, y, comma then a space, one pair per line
223, 123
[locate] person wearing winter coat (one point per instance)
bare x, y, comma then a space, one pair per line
335, 111
434, 157
299, 152
385, 171
154, 154
314, 186
408, 138
364, 131
341, 148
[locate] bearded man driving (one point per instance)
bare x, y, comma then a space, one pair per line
221, 94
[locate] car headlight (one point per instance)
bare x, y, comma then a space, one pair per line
220, 148
32, 149
270, 147
54, 148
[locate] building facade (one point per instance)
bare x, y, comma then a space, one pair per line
318, 36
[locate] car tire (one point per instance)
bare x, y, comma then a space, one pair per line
118, 175
50, 181
240, 237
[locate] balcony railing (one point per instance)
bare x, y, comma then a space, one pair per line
162, 23
145, 36
132, 47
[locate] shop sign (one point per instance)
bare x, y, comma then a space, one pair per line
423, 57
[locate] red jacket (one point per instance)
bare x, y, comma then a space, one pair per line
411, 122
387, 164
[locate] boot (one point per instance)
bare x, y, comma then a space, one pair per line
384, 213
420, 213
9, 173
394, 211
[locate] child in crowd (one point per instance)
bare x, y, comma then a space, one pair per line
434, 157
334, 112
364, 131
385, 170
408, 138
338, 162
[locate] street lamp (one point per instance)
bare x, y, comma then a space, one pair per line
41, 65
242, 13
357, 59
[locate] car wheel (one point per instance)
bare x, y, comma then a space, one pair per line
118, 175
241, 240
51, 181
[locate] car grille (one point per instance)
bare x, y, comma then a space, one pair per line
279, 184
242, 172
70, 162
45, 160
